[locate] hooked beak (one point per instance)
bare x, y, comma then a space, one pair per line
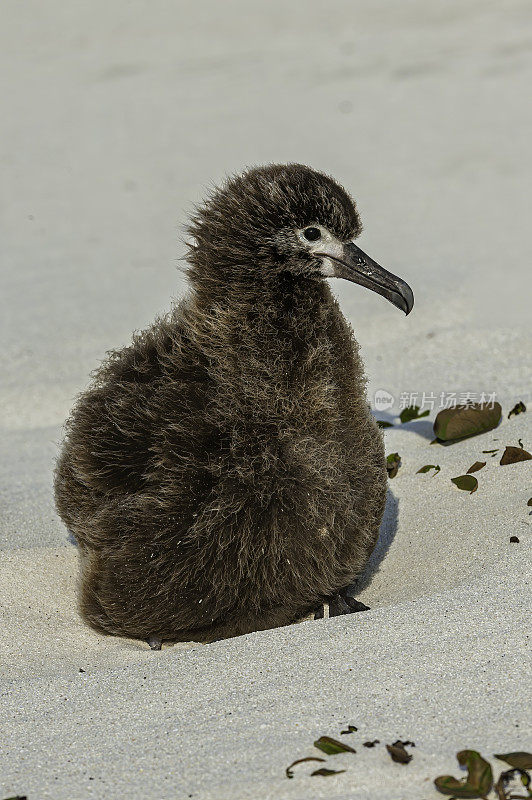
354, 265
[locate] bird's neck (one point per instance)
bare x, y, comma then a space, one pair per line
283, 305
265, 346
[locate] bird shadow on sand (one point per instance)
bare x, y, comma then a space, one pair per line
387, 532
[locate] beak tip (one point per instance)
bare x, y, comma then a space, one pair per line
358, 267
407, 295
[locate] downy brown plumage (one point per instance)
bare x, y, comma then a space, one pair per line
223, 473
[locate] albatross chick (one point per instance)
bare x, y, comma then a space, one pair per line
223, 473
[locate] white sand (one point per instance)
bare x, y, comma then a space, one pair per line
116, 116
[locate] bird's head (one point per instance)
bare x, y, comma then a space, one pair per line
282, 219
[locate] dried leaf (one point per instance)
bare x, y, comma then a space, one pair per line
504, 780
393, 462
491, 451
519, 408
446, 784
350, 729
479, 777
435, 467
460, 422
514, 539
412, 412
383, 424
476, 466
514, 454
520, 760
529, 503
371, 744
398, 752
289, 772
466, 482
326, 772
332, 746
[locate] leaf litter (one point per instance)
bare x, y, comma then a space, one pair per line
427, 467
468, 483
520, 760
479, 781
393, 462
479, 778
476, 466
477, 784
325, 772
519, 408
332, 746
505, 778
289, 770
349, 729
512, 455
398, 753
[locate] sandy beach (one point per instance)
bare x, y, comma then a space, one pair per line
117, 118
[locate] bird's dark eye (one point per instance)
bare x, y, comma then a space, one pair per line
312, 234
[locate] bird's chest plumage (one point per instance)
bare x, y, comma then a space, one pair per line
279, 470
289, 406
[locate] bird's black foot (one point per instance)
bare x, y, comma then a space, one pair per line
340, 603
155, 642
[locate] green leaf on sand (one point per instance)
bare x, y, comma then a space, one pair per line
519, 408
453, 424
427, 467
476, 466
519, 760
412, 412
289, 772
479, 777
326, 772
332, 746
383, 424
468, 483
514, 454
393, 462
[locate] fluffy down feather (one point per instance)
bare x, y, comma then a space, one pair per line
223, 473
